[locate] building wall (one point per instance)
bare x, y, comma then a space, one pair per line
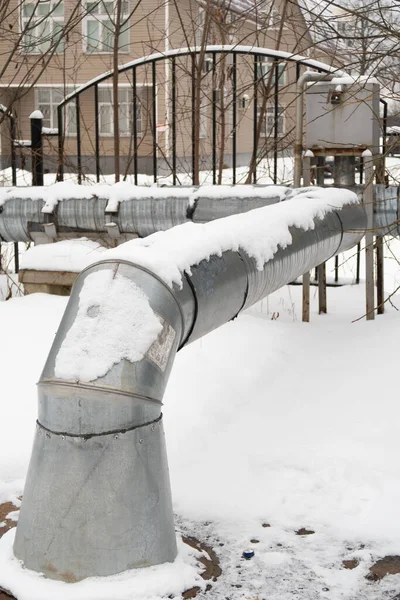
157, 26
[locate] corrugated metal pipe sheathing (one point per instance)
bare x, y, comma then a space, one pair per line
97, 498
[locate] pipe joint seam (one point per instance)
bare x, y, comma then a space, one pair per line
88, 436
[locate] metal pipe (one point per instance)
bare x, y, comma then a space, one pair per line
344, 172
97, 497
22, 220
302, 81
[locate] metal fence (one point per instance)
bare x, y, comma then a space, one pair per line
215, 62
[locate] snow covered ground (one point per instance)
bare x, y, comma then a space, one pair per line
272, 426
264, 175
269, 421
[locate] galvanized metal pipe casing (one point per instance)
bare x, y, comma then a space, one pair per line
344, 172
139, 386
96, 506
17, 217
70, 527
142, 216
111, 510
386, 210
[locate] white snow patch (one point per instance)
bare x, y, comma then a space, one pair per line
114, 321
50, 130
13, 516
151, 583
22, 143
36, 114
273, 559
68, 255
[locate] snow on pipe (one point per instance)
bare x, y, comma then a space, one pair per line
97, 498
123, 211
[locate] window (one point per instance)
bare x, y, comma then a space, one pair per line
264, 71
268, 129
99, 26
47, 100
201, 23
125, 104
269, 13
204, 108
42, 23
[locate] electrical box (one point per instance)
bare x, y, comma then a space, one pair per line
342, 116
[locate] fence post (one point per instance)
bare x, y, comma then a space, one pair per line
37, 147
369, 236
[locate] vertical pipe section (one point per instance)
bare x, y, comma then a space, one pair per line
97, 499
255, 116
276, 117
369, 236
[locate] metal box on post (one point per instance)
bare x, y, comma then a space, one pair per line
342, 117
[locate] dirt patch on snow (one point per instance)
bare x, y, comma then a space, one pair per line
212, 570
5, 509
304, 531
350, 563
389, 565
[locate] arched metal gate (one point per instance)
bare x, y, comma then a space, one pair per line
239, 79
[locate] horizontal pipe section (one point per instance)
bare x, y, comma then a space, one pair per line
21, 219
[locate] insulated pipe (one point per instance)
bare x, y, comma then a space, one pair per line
344, 171
97, 498
147, 210
22, 219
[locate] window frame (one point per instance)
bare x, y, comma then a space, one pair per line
53, 104
270, 111
269, 63
139, 91
33, 48
87, 17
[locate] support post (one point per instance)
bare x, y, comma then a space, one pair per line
369, 236
320, 271
308, 155
37, 147
16, 257
306, 297
380, 279
298, 149
322, 306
